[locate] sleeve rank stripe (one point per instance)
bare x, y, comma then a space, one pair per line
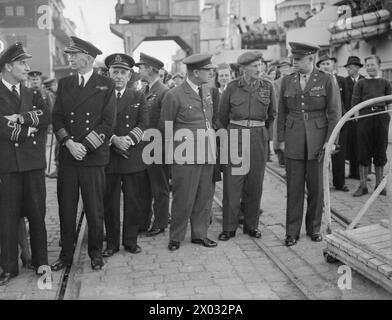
138, 133
94, 139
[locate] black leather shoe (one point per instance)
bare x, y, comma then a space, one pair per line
5, 277
344, 189
97, 264
361, 191
133, 249
316, 237
290, 241
26, 263
173, 245
59, 265
109, 253
154, 232
253, 233
208, 243
226, 235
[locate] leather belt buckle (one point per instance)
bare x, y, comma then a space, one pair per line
306, 116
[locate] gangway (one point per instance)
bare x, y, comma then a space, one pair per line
367, 249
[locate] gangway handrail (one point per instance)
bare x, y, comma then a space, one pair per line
330, 146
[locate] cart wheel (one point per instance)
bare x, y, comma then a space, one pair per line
328, 258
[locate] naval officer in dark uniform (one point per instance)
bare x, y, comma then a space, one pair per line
309, 108
189, 107
247, 103
24, 118
83, 120
126, 170
158, 174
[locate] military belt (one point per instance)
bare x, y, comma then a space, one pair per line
307, 115
248, 123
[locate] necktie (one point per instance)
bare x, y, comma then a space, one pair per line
15, 92
200, 93
147, 89
303, 81
118, 96
82, 82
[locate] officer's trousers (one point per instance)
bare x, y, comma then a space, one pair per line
132, 201
192, 188
248, 186
22, 193
91, 183
299, 173
158, 175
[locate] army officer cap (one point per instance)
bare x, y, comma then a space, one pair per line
150, 61
78, 45
199, 61
302, 49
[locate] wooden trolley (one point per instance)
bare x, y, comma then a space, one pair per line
368, 250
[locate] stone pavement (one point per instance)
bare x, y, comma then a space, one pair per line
237, 269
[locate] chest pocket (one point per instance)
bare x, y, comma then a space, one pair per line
317, 93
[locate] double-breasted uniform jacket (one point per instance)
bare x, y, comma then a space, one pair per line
154, 102
87, 116
309, 116
185, 108
20, 152
132, 120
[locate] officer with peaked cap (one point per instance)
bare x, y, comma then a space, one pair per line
126, 170
158, 173
83, 121
189, 107
309, 108
248, 105
24, 118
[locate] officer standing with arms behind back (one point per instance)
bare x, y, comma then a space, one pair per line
158, 174
309, 108
248, 103
189, 106
24, 118
83, 120
126, 170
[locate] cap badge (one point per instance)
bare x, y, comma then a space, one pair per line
118, 58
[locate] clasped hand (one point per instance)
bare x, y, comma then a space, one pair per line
77, 149
123, 143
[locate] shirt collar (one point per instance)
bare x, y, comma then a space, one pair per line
377, 77
153, 82
86, 76
9, 85
193, 86
355, 78
121, 91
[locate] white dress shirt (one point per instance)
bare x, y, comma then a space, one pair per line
86, 77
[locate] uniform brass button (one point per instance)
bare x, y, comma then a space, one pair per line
87, 129
33, 135
72, 113
303, 103
16, 144
72, 121
88, 113
34, 107
302, 97
303, 110
87, 121
72, 137
126, 117
34, 142
127, 125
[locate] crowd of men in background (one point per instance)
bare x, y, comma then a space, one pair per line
99, 120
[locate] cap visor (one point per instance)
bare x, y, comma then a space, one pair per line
209, 66
120, 66
73, 50
22, 56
